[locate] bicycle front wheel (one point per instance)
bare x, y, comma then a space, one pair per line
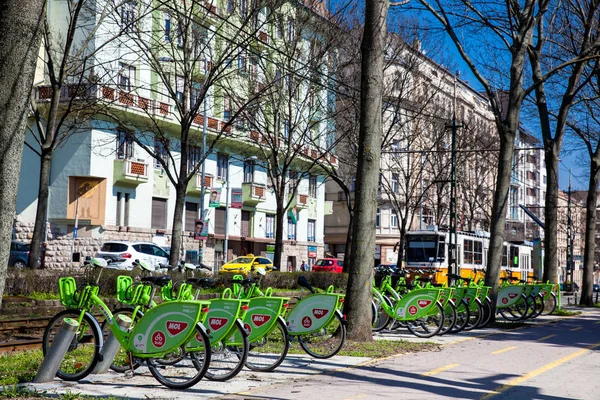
449, 318
486, 316
122, 362
228, 360
326, 342
475, 315
186, 369
268, 352
381, 317
428, 326
83, 353
550, 304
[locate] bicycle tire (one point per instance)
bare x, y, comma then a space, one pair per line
262, 355
487, 313
550, 304
383, 319
193, 363
462, 316
327, 342
121, 363
521, 309
429, 325
84, 352
449, 318
539, 309
475, 314
227, 361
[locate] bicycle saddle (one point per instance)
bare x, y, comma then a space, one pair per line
201, 282
157, 280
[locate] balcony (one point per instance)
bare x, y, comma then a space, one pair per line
300, 201
130, 172
328, 208
195, 184
253, 193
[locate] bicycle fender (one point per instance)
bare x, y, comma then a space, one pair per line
202, 328
240, 323
339, 313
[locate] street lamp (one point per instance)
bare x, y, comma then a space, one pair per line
226, 242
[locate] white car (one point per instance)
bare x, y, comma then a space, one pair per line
131, 251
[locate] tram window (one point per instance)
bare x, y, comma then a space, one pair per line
504, 256
468, 251
514, 257
477, 253
441, 255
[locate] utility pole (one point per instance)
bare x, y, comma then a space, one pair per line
453, 243
570, 235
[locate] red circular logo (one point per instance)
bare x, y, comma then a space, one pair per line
306, 322
504, 300
198, 337
412, 310
248, 328
158, 339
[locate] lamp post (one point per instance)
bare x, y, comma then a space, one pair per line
226, 241
204, 127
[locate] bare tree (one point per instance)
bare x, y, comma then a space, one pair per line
69, 97
20, 35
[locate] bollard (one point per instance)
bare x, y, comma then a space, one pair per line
56, 352
111, 346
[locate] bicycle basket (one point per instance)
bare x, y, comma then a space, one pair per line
68, 292
124, 283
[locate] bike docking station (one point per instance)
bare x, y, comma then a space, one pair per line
111, 346
57, 352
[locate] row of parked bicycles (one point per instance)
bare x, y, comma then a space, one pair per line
182, 339
426, 309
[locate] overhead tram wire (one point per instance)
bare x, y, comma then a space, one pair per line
450, 151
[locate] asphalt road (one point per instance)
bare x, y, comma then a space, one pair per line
550, 359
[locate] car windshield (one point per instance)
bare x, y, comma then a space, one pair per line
242, 260
114, 247
324, 263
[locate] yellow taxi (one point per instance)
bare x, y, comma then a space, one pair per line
245, 264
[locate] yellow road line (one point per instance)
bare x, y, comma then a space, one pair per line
545, 338
576, 329
504, 350
441, 369
539, 371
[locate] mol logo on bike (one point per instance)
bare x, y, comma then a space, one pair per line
259, 320
248, 328
319, 312
412, 310
423, 303
175, 328
306, 322
158, 339
513, 295
504, 300
217, 323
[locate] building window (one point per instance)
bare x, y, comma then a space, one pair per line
243, 7
179, 84
167, 27
194, 156
394, 219
270, 226
291, 229
290, 29
395, 185
124, 145
242, 62
161, 152
159, 213
248, 171
126, 76
311, 230
226, 109
293, 179
191, 214
378, 219
286, 129
222, 165
230, 6
128, 14
312, 186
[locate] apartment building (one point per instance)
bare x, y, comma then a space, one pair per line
113, 175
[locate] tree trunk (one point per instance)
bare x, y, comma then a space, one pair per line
359, 296
279, 219
348, 245
176, 233
551, 217
20, 29
499, 207
41, 212
587, 289
401, 245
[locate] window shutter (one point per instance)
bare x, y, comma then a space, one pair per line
220, 221
245, 228
159, 213
191, 214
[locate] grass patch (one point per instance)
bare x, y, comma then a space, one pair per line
565, 313
19, 366
15, 392
44, 296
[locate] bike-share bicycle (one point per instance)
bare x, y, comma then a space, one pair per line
173, 327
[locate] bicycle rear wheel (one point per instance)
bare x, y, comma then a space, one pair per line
449, 318
462, 316
83, 353
429, 325
550, 304
326, 342
475, 315
186, 370
486, 317
268, 352
228, 360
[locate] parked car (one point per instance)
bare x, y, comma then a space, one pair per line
19, 254
329, 265
131, 251
246, 264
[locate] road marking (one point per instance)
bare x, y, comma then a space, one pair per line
576, 329
361, 396
546, 337
539, 371
504, 350
441, 369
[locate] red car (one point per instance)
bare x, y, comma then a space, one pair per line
329, 265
